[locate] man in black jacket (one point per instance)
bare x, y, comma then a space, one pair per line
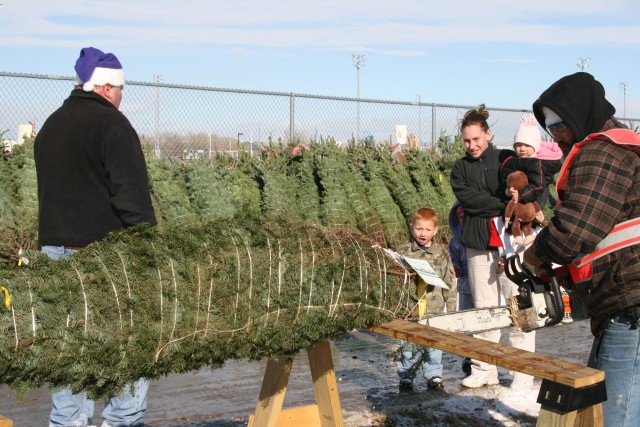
92, 180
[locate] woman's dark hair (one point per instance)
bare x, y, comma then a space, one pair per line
476, 116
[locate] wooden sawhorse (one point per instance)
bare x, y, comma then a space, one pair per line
571, 395
325, 413
5, 422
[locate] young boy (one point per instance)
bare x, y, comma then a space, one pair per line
430, 299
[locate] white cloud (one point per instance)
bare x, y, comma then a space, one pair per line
404, 52
514, 60
329, 23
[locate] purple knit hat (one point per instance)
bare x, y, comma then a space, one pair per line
96, 68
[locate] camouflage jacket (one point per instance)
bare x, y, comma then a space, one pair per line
439, 258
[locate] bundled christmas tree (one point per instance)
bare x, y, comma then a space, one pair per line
18, 203
169, 192
278, 190
149, 301
335, 191
393, 221
303, 173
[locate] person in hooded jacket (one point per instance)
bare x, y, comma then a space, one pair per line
458, 254
459, 257
476, 184
599, 188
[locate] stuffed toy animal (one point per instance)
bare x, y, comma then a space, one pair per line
525, 215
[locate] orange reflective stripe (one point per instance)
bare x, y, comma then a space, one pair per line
581, 274
623, 137
623, 235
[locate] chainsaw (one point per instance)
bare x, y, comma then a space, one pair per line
542, 301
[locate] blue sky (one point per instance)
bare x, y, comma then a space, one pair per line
503, 53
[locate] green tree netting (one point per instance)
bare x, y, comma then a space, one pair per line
149, 301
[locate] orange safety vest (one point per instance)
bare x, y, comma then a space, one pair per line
623, 235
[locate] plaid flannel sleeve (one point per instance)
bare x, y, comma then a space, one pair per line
600, 179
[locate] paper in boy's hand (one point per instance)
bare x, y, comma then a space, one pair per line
420, 266
391, 254
426, 272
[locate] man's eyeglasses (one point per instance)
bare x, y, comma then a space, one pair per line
557, 129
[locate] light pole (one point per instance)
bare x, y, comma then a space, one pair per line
624, 87
583, 63
358, 62
158, 79
239, 135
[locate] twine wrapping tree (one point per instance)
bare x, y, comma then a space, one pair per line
149, 301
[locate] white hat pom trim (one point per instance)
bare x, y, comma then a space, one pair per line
103, 76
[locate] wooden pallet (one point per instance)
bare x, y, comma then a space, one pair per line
325, 413
562, 381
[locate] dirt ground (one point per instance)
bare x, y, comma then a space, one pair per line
367, 382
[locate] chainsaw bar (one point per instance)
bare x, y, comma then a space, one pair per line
473, 321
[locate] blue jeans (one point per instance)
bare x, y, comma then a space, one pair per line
619, 358
412, 354
77, 410
465, 301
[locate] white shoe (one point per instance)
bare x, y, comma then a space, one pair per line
521, 383
477, 379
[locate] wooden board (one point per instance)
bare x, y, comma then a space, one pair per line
5, 422
538, 365
307, 416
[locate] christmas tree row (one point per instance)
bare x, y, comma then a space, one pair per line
253, 257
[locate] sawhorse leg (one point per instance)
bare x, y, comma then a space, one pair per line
590, 416
564, 406
325, 413
5, 422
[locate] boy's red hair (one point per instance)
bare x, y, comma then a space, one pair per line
426, 214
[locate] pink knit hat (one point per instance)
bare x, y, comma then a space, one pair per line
529, 133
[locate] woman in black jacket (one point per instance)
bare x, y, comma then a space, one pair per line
475, 180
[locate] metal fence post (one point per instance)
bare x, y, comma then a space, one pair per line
292, 116
433, 124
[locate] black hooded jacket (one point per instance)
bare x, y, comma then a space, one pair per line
579, 101
602, 190
476, 184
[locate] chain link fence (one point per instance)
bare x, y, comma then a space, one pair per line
195, 121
